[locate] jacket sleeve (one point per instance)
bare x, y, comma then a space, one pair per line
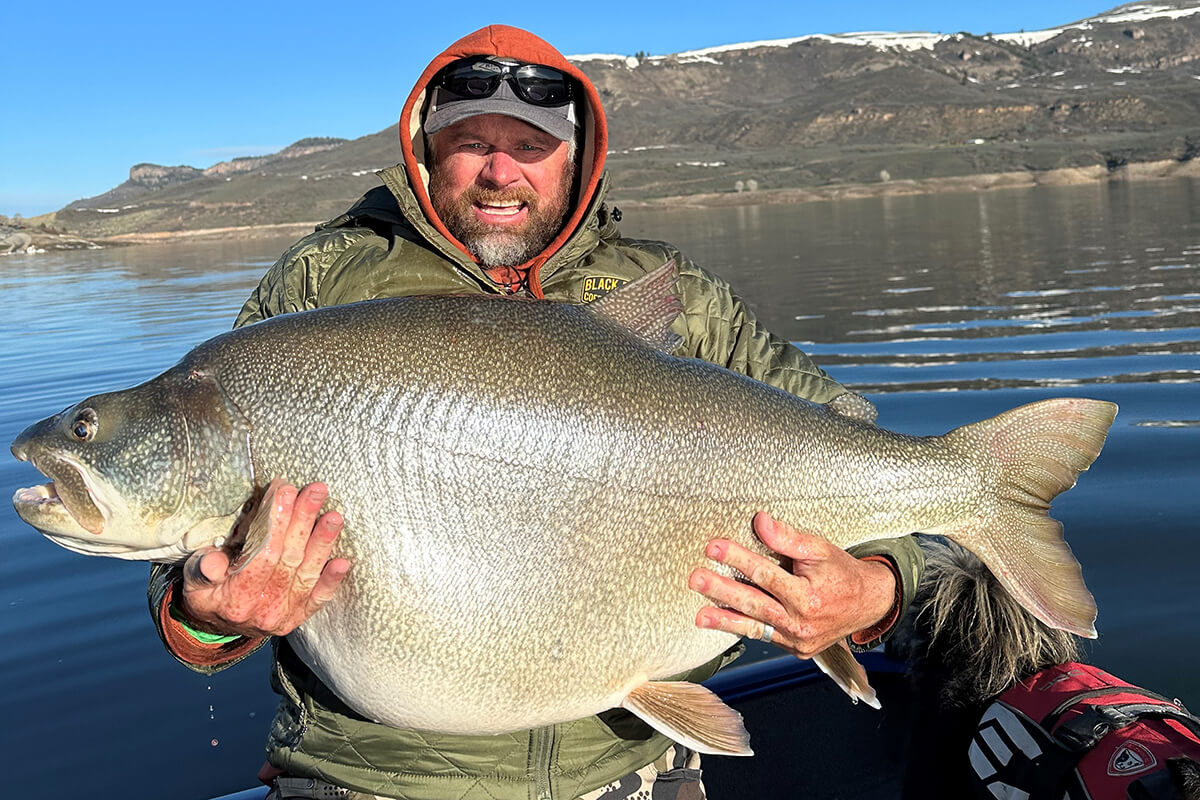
205, 657
293, 283
722, 330
907, 560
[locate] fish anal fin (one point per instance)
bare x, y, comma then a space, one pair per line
692, 715
647, 307
840, 664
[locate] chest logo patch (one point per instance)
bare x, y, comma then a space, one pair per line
1131, 758
596, 286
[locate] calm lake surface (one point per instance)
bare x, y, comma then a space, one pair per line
943, 309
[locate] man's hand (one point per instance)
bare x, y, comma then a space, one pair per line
281, 586
828, 595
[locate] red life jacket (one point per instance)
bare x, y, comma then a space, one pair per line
1073, 731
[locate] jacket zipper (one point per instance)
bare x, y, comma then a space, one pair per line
543, 753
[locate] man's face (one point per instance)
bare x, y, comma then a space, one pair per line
501, 186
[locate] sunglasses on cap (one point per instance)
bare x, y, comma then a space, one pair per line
536, 84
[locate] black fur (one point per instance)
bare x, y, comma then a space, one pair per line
966, 641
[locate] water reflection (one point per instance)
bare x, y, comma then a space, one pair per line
944, 309
1025, 265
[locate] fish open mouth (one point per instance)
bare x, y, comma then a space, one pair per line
42, 494
43, 508
62, 506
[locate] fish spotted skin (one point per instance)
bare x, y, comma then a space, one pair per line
527, 486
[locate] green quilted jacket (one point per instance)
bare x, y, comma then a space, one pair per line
391, 244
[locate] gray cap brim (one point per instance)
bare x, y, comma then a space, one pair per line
446, 109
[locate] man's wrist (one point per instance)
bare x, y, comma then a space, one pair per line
181, 640
872, 635
193, 629
196, 629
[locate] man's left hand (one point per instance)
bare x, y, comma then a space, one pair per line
827, 596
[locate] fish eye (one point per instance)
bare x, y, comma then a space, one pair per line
84, 426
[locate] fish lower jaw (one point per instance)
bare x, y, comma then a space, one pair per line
40, 495
41, 507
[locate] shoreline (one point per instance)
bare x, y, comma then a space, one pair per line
235, 232
982, 182
1021, 179
57, 242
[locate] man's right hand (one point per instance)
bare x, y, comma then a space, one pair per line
280, 587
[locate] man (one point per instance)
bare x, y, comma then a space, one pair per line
501, 190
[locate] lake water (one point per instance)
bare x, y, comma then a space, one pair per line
943, 309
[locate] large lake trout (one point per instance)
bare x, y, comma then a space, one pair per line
526, 486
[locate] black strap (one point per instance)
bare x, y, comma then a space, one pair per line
1084, 730
1051, 719
1047, 775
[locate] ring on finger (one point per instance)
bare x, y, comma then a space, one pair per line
768, 632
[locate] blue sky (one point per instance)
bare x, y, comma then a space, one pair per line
93, 88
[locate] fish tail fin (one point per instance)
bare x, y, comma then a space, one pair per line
1035, 452
840, 664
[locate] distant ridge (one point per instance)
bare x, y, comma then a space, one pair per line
922, 40
148, 178
876, 111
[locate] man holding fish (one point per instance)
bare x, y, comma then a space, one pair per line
503, 597
501, 191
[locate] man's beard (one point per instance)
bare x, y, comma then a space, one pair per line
495, 245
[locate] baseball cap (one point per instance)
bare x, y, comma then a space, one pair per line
539, 95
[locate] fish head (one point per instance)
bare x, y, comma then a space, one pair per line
148, 473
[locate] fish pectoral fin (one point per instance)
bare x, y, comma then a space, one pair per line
691, 715
840, 664
256, 528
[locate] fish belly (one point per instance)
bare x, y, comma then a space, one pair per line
494, 594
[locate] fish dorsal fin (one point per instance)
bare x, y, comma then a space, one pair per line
647, 307
691, 715
840, 664
854, 406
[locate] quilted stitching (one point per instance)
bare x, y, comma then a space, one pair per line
425, 764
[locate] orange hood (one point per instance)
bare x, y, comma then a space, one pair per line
502, 40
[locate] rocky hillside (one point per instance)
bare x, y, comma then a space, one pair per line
148, 178
813, 111
1120, 87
